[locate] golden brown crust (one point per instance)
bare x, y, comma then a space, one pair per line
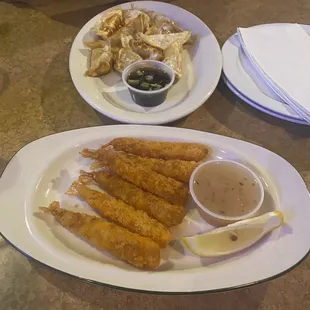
124, 215
177, 169
180, 170
166, 213
167, 188
162, 150
130, 247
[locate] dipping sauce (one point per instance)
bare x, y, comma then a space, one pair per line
148, 79
226, 189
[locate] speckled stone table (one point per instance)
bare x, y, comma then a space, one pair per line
37, 98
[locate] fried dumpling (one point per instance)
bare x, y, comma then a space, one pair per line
163, 41
125, 39
146, 51
114, 44
155, 17
164, 28
173, 58
109, 23
142, 49
124, 57
138, 24
131, 14
161, 23
96, 44
150, 13
100, 62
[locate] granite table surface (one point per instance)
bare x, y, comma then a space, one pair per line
37, 98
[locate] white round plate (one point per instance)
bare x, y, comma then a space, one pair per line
241, 81
260, 107
43, 170
202, 64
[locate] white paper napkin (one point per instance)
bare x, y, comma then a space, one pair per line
281, 55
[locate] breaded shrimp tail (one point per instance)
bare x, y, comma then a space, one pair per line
54, 206
130, 247
122, 214
167, 188
158, 208
177, 169
89, 153
94, 154
162, 150
72, 190
97, 164
86, 178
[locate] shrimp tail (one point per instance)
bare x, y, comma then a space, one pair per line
106, 147
97, 165
72, 189
89, 153
53, 206
86, 177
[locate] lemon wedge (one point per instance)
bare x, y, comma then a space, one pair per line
234, 237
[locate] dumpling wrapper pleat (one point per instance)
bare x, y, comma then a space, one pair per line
125, 57
174, 58
100, 62
109, 23
163, 41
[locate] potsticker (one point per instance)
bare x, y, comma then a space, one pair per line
109, 23
163, 41
124, 57
100, 61
173, 58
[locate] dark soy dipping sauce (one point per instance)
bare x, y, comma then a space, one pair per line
148, 79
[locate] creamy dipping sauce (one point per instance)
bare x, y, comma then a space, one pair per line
226, 189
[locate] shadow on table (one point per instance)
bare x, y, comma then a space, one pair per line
62, 106
257, 127
80, 17
97, 295
108, 121
3, 164
302, 130
75, 18
4, 80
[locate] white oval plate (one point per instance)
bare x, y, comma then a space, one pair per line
239, 78
202, 64
43, 170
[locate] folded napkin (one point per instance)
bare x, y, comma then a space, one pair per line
280, 53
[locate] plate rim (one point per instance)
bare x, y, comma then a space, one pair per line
150, 292
157, 291
259, 107
129, 115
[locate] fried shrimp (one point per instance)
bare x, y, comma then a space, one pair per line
158, 208
177, 169
130, 247
162, 150
122, 214
167, 188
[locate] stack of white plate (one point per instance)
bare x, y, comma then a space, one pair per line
238, 75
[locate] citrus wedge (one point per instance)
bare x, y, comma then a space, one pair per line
234, 237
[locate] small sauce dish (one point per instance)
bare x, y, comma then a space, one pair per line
226, 191
148, 81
